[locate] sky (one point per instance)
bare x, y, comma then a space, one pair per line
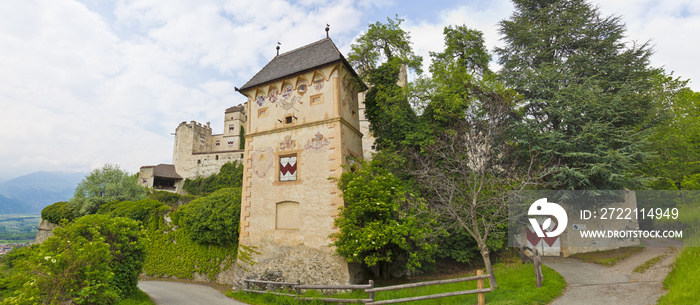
89, 82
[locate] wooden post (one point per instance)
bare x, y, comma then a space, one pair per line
537, 263
247, 286
480, 285
371, 294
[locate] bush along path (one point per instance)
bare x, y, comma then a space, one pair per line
590, 283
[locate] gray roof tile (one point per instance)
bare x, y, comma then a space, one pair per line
309, 57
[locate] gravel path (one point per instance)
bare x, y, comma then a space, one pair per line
589, 283
177, 293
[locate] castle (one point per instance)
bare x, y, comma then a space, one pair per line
303, 121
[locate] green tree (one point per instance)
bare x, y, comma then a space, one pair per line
676, 141
103, 185
585, 92
383, 42
459, 76
381, 55
382, 222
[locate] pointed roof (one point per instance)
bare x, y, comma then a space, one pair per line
298, 61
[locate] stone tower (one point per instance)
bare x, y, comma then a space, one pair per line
303, 125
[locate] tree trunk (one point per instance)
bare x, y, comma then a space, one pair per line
487, 263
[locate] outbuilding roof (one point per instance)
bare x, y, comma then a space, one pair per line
301, 60
166, 171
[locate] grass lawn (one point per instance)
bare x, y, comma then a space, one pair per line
516, 285
608, 257
683, 281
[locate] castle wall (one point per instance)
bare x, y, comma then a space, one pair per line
196, 152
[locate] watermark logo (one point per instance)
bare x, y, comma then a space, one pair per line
543, 208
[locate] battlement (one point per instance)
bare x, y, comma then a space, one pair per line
194, 124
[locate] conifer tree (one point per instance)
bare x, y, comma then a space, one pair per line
585, 91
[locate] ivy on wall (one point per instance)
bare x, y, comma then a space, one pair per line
173, 254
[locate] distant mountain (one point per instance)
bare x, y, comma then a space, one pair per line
12, 206
31, 193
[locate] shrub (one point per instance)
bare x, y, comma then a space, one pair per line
58, 211
94, 260
168, 198
382, 223
212, 219
141, 210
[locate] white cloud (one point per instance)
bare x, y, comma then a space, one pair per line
81, 86
79, 89
671, 26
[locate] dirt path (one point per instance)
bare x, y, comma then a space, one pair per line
590, 283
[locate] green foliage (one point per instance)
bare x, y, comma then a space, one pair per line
166, 197
171, 253
461, 247
241, 135
383, 41
58, 211
103, 185
94, 260
460, 81
137, 298
683, 280
213, 219
141, 210
382, 222
230, 175
587, 97
676, 141
387, 108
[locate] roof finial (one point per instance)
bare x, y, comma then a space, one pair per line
278, 47
328, 28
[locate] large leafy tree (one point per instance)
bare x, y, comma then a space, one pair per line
103, 185
467, 166
585, 91
676, 141
458, 77
381, 55
383, 42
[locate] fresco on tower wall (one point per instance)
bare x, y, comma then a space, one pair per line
303, 86
317, 143
260, 100
272, 96
262, 161
287, 143
318, 82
